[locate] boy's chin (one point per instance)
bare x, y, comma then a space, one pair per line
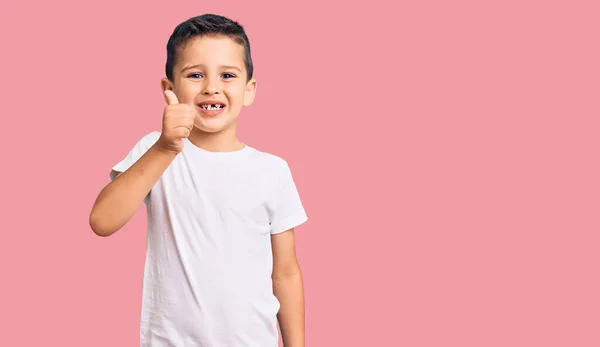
213, 126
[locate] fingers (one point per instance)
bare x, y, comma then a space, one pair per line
184, 122
171, 97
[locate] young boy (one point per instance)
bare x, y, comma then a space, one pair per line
221, 267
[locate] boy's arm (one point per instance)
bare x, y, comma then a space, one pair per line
288, 288
119, 200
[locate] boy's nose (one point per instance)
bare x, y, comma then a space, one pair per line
210, 87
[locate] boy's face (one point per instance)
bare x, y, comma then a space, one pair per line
211, 69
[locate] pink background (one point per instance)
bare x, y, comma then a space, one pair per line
446, 153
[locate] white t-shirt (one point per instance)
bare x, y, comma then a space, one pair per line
207, 278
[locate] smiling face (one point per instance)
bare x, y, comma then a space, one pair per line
210, 74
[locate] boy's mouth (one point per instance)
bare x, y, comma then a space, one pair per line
211, 106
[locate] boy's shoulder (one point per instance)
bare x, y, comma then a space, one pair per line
267, 163
143, 143
267, 156
149, 139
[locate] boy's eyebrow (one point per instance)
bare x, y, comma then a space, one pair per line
222, 66
231, 67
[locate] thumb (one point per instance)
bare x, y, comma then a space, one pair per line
171, 97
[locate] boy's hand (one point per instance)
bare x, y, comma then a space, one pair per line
178, 122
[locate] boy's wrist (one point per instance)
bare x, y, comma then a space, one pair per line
159, 148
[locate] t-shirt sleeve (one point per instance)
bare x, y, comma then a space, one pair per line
288, 210
135, 153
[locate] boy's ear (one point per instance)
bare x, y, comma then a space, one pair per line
250, 92
165, 85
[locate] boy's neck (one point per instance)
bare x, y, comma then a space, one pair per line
225, 141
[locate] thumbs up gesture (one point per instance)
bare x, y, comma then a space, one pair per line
177, 124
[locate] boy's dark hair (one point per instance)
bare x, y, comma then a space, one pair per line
204, 25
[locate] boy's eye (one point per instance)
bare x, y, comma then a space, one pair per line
228, 75
195, 75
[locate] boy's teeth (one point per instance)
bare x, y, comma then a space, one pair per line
211, 107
